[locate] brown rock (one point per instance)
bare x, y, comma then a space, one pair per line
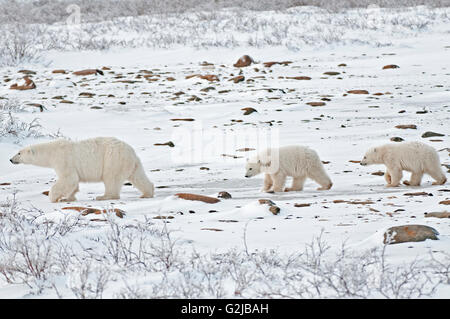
209, 77
248, 110
88, 72
237, 79
269, 64
195, 197
298, 77
274, 209
445, 202
302, 205
243, 61
438, 214
266, 202
29, 85
409, 233
406, 126
358, 92
316, 103
390, 66
186, 119
86, 94
224, 195
59, 71
417, 193
212, 229
331, 73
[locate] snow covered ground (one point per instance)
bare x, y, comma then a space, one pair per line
143, 90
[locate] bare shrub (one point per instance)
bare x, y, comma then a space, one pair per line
13, 127
138, 259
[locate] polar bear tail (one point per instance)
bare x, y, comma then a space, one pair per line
140, 180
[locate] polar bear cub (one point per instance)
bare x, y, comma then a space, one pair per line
100, 159
300, 162
415, 157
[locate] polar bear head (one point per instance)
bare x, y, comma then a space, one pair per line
372, 156
24, 156
253, 167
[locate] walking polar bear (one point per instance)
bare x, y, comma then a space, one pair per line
300, 162
101, 159
415, 157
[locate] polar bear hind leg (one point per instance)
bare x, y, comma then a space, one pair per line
140, 180
321, 178
416, 178
438, 176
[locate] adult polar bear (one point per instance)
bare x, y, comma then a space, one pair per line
415, 157
300, 162
100, 159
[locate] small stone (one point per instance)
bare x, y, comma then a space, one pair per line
406, 126
248, 110
224, 195
431, 134
358, 92
390, 66
243, 61
274, 209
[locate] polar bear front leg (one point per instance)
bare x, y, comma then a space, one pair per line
55, 193
64, 189
279, 179
396, 176
268, 183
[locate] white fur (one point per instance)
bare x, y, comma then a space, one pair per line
415, 157
101, 159
300, 162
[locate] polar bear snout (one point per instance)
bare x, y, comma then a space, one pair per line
14, 160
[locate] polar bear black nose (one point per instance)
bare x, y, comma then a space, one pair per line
11, 160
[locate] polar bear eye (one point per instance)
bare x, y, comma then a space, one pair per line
250, 169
